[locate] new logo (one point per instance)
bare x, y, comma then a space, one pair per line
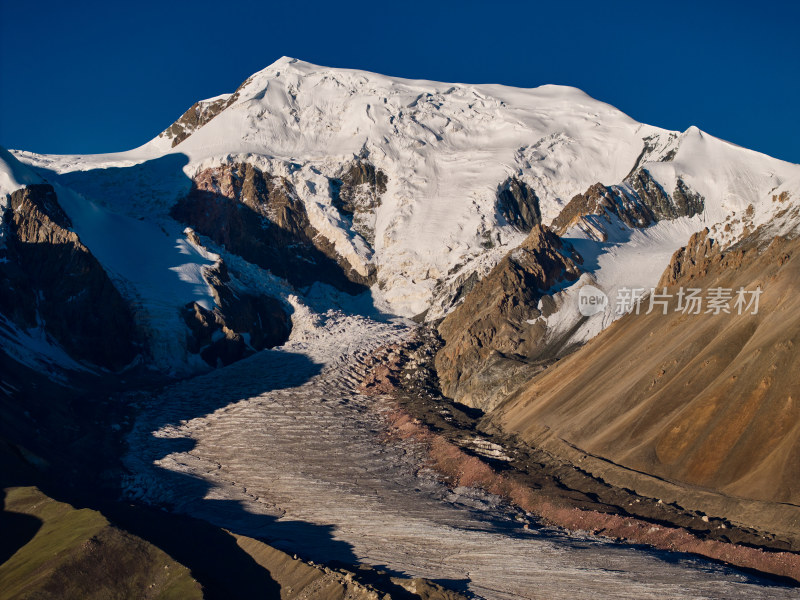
591, 301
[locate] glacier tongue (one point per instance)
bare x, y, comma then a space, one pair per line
282, 446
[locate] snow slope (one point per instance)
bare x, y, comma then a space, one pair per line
13, 174
153, 264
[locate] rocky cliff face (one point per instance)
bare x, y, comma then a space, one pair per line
259, 217
357, 194
488, 338
240, 323
639, 202
683, 203
603, 201
692, 260
51, 280
518, 204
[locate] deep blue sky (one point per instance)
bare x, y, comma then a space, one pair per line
104, 76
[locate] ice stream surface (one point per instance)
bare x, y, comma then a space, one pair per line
281, 446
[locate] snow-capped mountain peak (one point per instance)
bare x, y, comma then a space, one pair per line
416, 186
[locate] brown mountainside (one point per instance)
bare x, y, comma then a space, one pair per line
488, 336
705, 400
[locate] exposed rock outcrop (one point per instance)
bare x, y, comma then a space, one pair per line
51, 280
239, 324
488, 338
259, 217
686, 202
657, 148
639, 203
199, 114
194, 118
518, 204
357, 193
683, 203
691, 261
604, 201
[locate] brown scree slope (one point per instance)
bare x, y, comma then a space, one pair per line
707, 403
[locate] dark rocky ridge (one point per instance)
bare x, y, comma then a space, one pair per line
357, 192
50, 279
644, 203
194, 118
602, 200
239, 324
684, 202
518, 204
259, 217
650, 151
488, 340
